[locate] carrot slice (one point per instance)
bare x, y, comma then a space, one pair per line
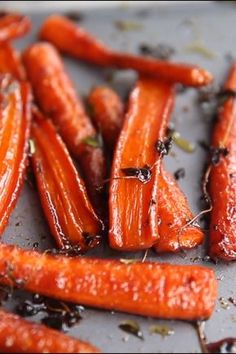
73, 40
70, 215
20, 336
15, 116
133, 215
57, 98
13, 26
10, 62
222, 186
149, 289
107, 113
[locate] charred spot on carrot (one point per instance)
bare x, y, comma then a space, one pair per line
164, 146
143, 174
217, 153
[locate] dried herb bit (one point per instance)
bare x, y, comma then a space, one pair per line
143, 174
203, 144
164, 331
164, 146
182, 143
224, 303
232, 300
216, 154
227, 345
74, 16
199, 48
128, 261
160, 51
128, 25
180, 173
94, 141
131, 327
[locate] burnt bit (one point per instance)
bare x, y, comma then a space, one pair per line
226, 345
75, 16
216, 154
180, 173
131, 327
232, 300
204, 145
92, 240
143, 174
161, 51
164, 146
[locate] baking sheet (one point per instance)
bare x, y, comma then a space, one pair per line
213, 24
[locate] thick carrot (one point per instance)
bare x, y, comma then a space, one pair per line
10, 62
223, 179
13, 26
57, 98
133, 214
149, 289
107, 113
20, 336
73, 40
15, 116
68, 211
174, 214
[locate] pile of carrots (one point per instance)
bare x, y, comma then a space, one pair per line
40, 107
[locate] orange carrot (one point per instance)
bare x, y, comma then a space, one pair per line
13, 26
10, 62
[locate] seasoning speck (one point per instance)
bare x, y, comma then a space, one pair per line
128, 25
94, 141
160, 51
164, 331
128, 261
224, 303
131, 327
180, 173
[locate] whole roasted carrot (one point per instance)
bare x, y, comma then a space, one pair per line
15, 116
133, 214
222, 178
13, 26
107, 113
149, 289
20, 336
10, 62
57, 98
69, 213
72, 40
174, 214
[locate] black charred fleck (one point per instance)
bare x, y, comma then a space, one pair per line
143, 174
217, 153
164, 146
91, 240
180, 173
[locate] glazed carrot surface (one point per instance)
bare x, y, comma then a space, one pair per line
13, 26
133, 215
149, 289
20, 336
223, 179
10, 62
15, 116
107, 112
73, 40
68, 211
57, 98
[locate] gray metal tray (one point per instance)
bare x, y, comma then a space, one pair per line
178, 25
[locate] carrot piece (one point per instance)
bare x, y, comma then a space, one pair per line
15, 116
107, 113
10, 62
13, 26
133, 216
20, 336
174, 213
57, 98
73, 40
70, 215
149, 289
222, 185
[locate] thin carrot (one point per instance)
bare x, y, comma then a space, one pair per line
57, 98
149, 289
20, 336
222, 186
10, 62
75, 41
13, 26
70, 215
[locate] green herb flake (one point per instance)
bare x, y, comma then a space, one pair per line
199, 48
32, 147
182, 143
131, 327
128, 261
94, 141
128, 25
164, 331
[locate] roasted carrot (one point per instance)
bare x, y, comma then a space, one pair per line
68, 211
174, 214
149, 289
222, 186
13, 26
10, 62
20, 336
15, 116
57, 98
133, 214
107, 113
73, 40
